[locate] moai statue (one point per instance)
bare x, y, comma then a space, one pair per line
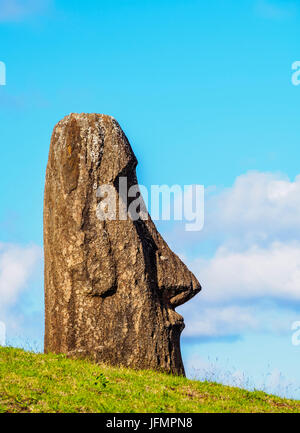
111, 285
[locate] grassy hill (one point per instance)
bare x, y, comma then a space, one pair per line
32, 382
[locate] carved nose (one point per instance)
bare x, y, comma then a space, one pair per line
177, 283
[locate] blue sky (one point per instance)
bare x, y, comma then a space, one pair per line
203, 91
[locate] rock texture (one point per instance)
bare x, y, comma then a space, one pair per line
111, 287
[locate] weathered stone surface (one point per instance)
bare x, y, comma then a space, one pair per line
111, 287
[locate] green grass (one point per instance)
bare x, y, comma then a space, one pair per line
31, 382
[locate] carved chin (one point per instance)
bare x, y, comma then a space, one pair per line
175, 322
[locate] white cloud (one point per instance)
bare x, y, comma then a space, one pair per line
218, 321
254, 273
259, 207
17, 265
14, 10
234, 318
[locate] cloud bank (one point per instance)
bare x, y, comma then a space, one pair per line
254, 271
17, 267
258, 208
